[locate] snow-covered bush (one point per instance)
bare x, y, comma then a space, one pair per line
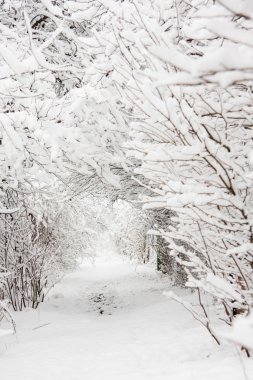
27, 250
21, 259
5, 314
129, 231
41, 238
242, 332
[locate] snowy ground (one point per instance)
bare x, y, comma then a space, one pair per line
113, 322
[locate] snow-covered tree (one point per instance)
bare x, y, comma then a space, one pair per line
187, 98
52, 119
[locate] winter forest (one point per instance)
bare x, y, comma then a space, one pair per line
126, 189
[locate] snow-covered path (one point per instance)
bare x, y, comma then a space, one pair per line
113, 322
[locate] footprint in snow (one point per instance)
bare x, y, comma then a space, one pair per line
102, 303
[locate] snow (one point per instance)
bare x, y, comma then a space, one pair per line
112, 321
8, 210
223, 286
5, 332
52, 8
241, 249
242, 331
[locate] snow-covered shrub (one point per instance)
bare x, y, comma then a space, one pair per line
5, 314
41, 239
22, 282
129, 231
166, 263
242, 332
25, 253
